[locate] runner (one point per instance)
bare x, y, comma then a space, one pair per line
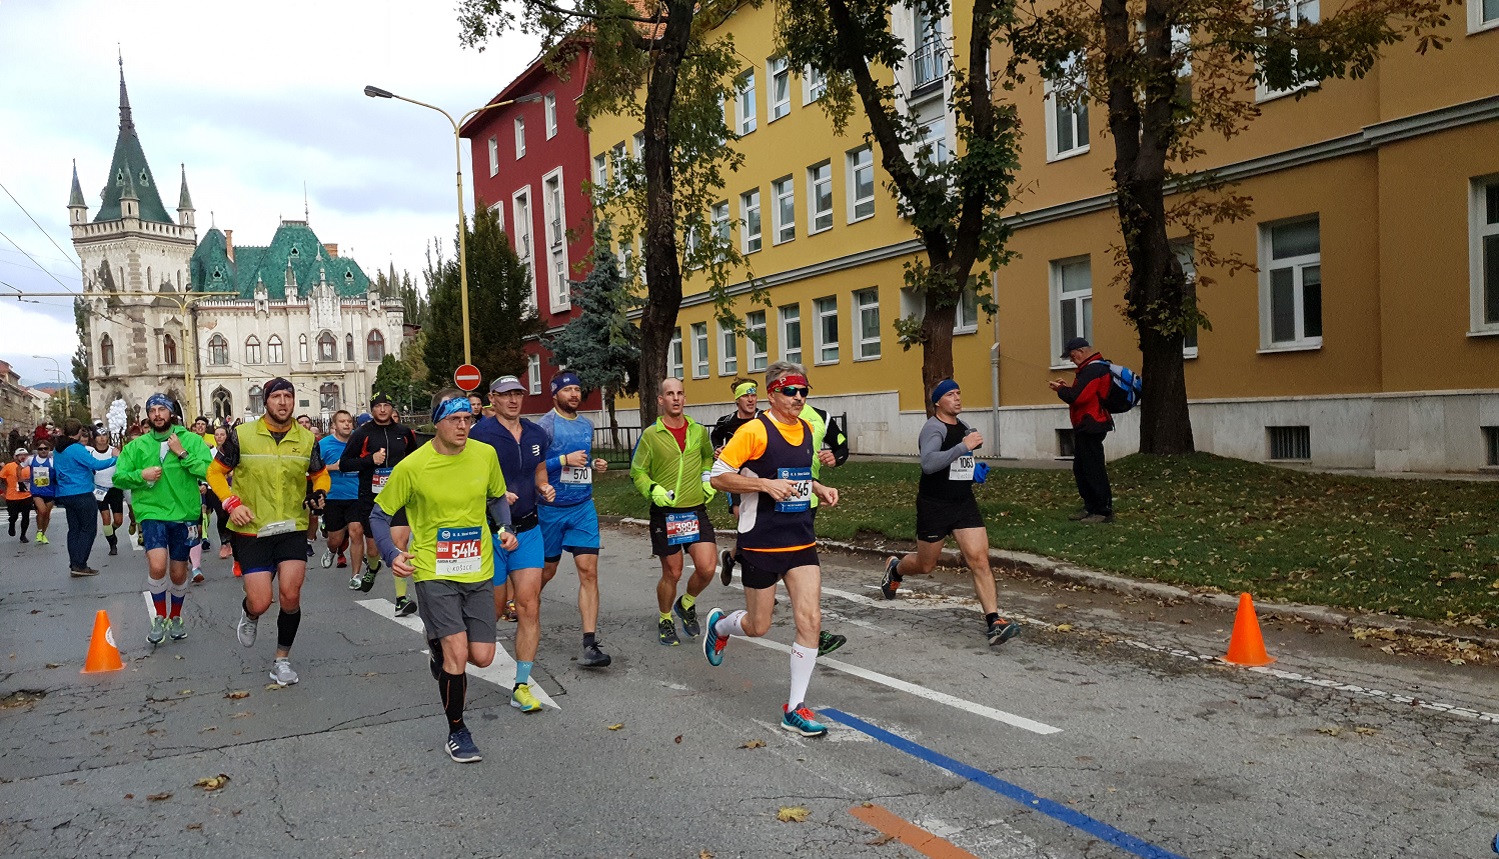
274, 463
75, 467
212, 502
110, 497
746, 407
17, 478
776, 536
312, 517
521, 447
162, 469
43, 485
570, 522
945, 505
373, 450
132, 432
448, 489
670, 468
343, 495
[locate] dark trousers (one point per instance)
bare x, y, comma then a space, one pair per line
83, 526
21, 509
1092, 473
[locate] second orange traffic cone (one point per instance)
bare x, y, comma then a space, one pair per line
102, 653
1247, 646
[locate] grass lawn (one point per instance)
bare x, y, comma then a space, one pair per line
1421, 548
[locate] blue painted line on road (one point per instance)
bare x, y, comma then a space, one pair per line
1055, 810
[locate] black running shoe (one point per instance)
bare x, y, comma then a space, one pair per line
666, 631
593, 657
688, 617
726, 568
891, 583
1001, 631
828, 642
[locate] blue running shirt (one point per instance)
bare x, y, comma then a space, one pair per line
344, 484
566, 436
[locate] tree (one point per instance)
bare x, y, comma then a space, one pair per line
1167, 71
393, 378
413, 301
954, 201
80, 394
602, 346
501, 314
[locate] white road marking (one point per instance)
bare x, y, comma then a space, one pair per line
501, 672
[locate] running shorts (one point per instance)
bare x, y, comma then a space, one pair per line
528, 555
575, 529
363, 507
763, 569
178, 538
448, 608
113, 500
935, 520
339, 512
662, 537
254, 554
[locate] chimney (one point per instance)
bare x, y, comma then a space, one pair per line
331, 250
229, 244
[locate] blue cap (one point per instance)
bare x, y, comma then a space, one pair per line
944, 387
563, 379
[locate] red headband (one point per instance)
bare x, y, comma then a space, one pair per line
790, 380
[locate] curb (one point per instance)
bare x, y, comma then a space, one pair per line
1049, 568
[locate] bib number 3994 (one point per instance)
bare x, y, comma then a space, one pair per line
961, 468
800, 499
681, 528
458, 552
577, 475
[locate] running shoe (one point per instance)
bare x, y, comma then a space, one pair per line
132, 526
1001, 631
342, 561
24, 540
688, 617
461, 747
405, 606
713, 643
327, 559
205, 545
310, 550
41, 538
891, 583
355, 583
114, 548
726, 568
225, 550
198, 576
522, 699
511, 614
281, 672
176, 628
245, 630
668, 632
828, 642
593, 657
802, 721
367, 580
158, 630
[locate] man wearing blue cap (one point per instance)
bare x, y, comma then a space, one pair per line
1091, 422
945, 505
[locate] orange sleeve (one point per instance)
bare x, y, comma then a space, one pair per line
748, 444
218, 478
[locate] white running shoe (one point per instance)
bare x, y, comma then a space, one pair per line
281, 673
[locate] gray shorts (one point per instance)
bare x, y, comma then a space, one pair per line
448, 608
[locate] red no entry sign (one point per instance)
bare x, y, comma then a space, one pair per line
466, 377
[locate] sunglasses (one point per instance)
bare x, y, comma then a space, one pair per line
795, 390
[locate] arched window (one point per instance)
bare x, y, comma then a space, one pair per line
302, 348
348, 347
273, 353
218, 351
223, 405
106, 352
257, 401
168, 349
374, 346
328, 395
327, 347
252, 349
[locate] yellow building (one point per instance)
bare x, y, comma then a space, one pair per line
1369, 337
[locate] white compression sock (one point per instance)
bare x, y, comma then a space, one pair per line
731, 624
803, 660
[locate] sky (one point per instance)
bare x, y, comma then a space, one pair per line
255, 100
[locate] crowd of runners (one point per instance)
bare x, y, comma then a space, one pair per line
473, 524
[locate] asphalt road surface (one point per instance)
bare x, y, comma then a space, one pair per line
1104, 730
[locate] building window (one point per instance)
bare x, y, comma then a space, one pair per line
533, 373
783, 192
1290, 442
218, 351
520, 137
744, 102
719, 217
223, 405
827, 329
494, 156
252, 349
521, 237
302, 348
820, 197
926, 59
328, 397
867, 311
1294, 13
699, 350
1291, 285
327, 347
1072, 303
674, 355
1485, 253
860, 184
374, 346
931, 146
749, 210
1482, 14
779, 72
107, 352
966, 314
754, 325
552, 211
814, 84
168, 349
1491, 446
791, 333
273, 353
1066, 113
257, 401
601, 170
639, 141
617, 162
348, 347
728, 353
1186, 256
549, 107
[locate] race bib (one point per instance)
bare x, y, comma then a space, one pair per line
378, 479
166, 448
458, 552
577, 475
41, 475
271, 529
800, 499
100, 492
961, 468
681, 528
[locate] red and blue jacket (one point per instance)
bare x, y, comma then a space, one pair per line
1084, 397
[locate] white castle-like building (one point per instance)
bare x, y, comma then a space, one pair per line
293, 307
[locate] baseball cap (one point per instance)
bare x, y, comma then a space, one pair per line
506, 384
1074, 343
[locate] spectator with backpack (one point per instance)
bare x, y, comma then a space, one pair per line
1087, 400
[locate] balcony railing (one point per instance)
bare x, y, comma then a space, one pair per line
926, 63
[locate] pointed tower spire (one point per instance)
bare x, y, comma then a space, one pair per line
184, 200
130, 162
77, 206
127, 123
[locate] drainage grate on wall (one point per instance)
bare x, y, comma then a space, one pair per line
1064, 443
1491, 446
1290, 442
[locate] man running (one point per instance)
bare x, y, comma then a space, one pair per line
945, 505
43, 485
75, 467
450, 489
162, 469
17, 478
111, 498
670, 468
373, 450
746, 407
342, 505
769, 462
570, 522
274, 462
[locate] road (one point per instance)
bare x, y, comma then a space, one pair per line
1102, 731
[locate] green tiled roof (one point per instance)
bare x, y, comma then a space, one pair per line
129, 167
211, 270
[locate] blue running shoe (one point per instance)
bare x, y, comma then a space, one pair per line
461, 747
802, 721
713, 643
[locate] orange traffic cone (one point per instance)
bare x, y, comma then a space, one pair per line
102, 653
1247, 647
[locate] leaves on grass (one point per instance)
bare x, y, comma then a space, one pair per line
237, 694
213, 783
792, 814
753, 744
158, 797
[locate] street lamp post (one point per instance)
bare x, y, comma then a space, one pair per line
376, 92
67, 406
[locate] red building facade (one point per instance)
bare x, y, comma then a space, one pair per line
530, 164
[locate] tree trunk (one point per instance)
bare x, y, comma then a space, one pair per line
936, 348
613, 421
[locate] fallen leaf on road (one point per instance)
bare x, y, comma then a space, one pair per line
1365, 730
616, 727
792, 814
195, 826
753, 744
1064, 627
272, 687
1332, 731
679, 739
54, 664
130, 796
703, 854
242, 714
212, 784
208, 728
883, 839
185, 692
237, 694
158, 797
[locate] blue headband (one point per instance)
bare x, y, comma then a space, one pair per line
944, 387
448, 408
563, 379
158, 400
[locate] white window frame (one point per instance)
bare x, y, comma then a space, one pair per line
554, 217
1077, 116
718, 220
601, 170
523, 239
533, 373
674, 355
819, 188
860, 160
617, 161
1476, 23
1082, 299
639, 143
745, 113
759, 356
494, 155
865, 302
777, 74
814, 84
783, 203
700, 361
822, 309
928, 46
520, 137
1263, 93
728, 351
1186, 255
966, 313
1480, 229
549, 109
498, 210
1298, 265
751, 237
791, 321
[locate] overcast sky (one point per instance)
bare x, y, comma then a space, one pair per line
255, 99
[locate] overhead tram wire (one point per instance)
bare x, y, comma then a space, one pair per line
33, 220
39, 265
